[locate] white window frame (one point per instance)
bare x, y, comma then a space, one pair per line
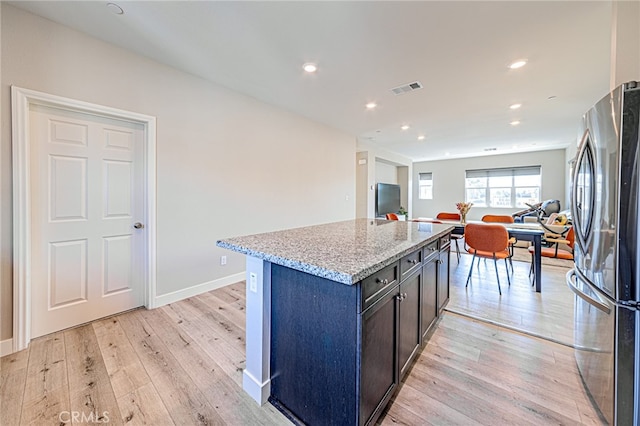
428, 183
511, 172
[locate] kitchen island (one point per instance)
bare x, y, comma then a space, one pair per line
336, 314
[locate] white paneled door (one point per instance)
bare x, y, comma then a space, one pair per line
87, 241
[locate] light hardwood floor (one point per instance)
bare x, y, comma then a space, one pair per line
182, 364
548, 314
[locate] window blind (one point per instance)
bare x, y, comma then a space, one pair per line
508, 171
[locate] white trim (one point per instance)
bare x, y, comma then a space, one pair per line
6, 347
197, 289
21, 101
259, 391
256, 377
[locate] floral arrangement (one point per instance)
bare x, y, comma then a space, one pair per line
463, 208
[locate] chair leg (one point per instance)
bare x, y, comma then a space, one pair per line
532, 271
507, 268
457, 250
511, 260
471, 270
495, 263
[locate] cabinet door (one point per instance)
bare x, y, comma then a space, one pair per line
379, 362
428, 299
443, 278
409, 321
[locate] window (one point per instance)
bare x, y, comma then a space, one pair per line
425, 186
509, 187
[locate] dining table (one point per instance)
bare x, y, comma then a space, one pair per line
529, 231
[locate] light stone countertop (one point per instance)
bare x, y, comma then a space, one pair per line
345, 252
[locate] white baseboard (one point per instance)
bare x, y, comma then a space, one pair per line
195, 290
6, 347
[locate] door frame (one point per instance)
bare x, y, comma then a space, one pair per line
21, 102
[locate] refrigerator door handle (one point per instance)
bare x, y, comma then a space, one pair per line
590, 300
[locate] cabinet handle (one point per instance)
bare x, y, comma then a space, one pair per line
401, 297
433, 249
404, 296
413, 261
385, 281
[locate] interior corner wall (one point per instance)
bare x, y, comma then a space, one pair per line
227, 164
405, 189
449, 180
6, 258
625, 42
362, 184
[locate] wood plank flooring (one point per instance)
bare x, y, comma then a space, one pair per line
548, 314
182, 364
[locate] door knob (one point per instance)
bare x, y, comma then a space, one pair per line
138, 225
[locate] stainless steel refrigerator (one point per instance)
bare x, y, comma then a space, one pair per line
605, 205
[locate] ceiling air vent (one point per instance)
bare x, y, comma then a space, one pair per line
491, 149
409, 87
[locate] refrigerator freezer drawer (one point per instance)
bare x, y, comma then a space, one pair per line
594, 331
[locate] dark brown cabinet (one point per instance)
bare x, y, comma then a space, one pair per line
409, 337
443, 272
378, 365
429, 296
390, 339
338, 352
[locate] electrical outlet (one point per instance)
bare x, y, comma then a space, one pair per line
253, 282
223, 260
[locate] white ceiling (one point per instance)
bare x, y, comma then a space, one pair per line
459, 51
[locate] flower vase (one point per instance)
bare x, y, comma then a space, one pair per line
463, 218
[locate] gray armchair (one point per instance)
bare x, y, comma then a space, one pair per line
548, 207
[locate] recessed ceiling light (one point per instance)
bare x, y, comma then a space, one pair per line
518, 64
515, 106
371, 105
552, 97
515, 122
310, 67
114, 8
421, 137
405, 127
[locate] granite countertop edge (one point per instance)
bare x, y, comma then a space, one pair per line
337, 276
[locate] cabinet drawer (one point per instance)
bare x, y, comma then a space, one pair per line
445, 241
377, 284
410, 263
430, 249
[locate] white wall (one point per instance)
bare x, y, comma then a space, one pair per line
625, 43
386, 173
449, 176
5, 247
379, 164
227, 164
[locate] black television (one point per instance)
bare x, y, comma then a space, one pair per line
387, 198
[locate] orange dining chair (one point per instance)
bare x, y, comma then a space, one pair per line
500, 218
454, 237
488, 241
392, 216
497, 218
555, 251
